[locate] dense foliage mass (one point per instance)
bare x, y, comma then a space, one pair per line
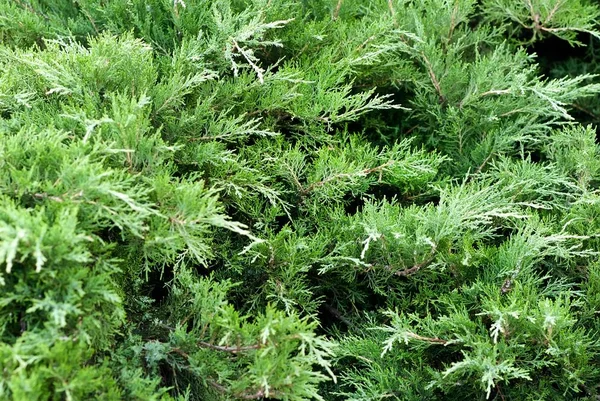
299, 199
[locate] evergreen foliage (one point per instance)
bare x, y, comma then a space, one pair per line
295, 200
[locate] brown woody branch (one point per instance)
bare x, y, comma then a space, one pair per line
418, 266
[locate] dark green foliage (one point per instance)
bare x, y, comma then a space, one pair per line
257, 199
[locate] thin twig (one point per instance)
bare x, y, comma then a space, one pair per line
414, 269
495, 92
584, 110
259, 71
338, 315
29, 8
294, 177
500, 392
433, 78
336, 12
312, 186
531, 9
233, 350
363, 44
252, 396
89, 17
482, 165
257, 394
218, 386
418, 266
180, 352
453, 21
511, 112
553, 11
428, 339
392, 11
205, 138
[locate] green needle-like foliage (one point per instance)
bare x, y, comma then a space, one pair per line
299, 200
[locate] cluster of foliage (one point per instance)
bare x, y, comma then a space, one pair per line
299, 199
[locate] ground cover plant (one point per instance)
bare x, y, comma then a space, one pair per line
296, 200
